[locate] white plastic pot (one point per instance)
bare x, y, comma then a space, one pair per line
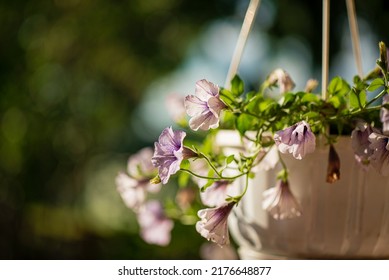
344, 220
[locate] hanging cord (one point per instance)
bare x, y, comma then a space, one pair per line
325, 48
352, 19
243, 35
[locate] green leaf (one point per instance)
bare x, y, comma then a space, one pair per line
376, 84
338, 86
237, 86
230, 159
226, 96
288, 99
357, 99
208, 184
244, 123
310, 97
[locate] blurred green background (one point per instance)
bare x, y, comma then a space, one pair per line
81, 86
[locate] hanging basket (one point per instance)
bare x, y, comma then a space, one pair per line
348, 219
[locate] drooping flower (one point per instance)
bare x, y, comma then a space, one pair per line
280, 202
361, 144
380, 158
281, 78
266, 160
213, 224
204, 107
297, 139
384, 115
134, 185
333, 167
155, 226
169, 152
216, 194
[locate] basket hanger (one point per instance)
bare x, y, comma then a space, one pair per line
248, 22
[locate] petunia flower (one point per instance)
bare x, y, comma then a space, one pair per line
216, 194
155, 226
380, 158
280, 202
134, 185
361, 144
297, 139
282, 79
169, 152
333, 167
384, 115
204, 107
213, 224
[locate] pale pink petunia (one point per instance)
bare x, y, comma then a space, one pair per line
361, 144
134, 185
216, 194
169, 152
130, 191
280, 202
266, 160
155, 226
380, 158
297, 139
213, 224
204, 107
281, 78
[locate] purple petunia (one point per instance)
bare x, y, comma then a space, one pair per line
380, 158
213, 224
155, 226
361, 144
134, 185
169, 152
297, 139
204, 107
280, 202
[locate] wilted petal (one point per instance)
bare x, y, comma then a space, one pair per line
280, 202
297, 139
213, 224
282, 79
333, 168
155, 227
380, 157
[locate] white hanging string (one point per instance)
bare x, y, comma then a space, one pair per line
243, 35
325, 48
354, 35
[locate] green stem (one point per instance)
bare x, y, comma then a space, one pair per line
211, 164
382, 93
213, 178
